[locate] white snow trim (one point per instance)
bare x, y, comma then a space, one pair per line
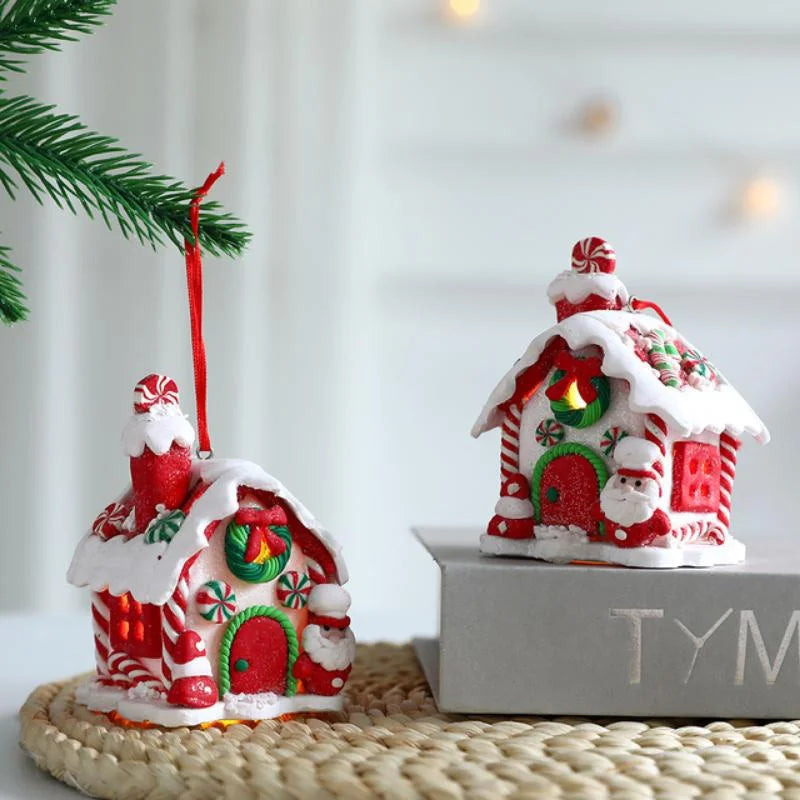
564, 549
157, 428
687, 411
576, 286
633, 453
151, 571
514, 508
154, 708
572, 532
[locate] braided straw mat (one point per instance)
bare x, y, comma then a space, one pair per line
392, 743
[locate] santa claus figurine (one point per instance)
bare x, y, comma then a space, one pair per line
629, 515
328, 643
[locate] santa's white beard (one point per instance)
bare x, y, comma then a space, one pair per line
330, 654
626, 507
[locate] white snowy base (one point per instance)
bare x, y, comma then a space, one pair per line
232, 706
572, 545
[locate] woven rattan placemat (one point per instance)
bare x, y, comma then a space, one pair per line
392, 743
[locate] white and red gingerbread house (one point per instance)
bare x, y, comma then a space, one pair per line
215, 593
619, 438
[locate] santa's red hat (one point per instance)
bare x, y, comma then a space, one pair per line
646, 474
635, 458
328, 604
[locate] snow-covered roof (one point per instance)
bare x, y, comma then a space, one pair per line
151, 571
688, 410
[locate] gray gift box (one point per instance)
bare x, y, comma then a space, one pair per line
519, 636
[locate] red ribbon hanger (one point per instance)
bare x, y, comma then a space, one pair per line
194, 283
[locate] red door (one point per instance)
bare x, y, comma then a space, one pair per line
259, 657
569, 491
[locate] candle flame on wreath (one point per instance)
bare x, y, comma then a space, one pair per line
573, 397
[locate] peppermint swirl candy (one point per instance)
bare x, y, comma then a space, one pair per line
611, 438
549, 432
164, 527
293, 589
109, 520
216, 601
152, 390
593, 255
698, 369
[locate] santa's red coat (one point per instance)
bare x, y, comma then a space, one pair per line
318, 680
638, 535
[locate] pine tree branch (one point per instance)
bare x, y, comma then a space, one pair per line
28, 27
12, 299
55, 155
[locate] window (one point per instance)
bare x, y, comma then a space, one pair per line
695, 477
135, 627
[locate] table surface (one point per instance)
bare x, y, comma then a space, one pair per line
44, 648
28, 661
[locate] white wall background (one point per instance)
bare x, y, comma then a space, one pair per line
413, 184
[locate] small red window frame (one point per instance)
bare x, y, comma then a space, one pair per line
135, 628
695, 477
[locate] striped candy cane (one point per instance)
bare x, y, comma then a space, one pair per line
128, 671
655, 431
728, 445
509, 443
698, 531
101, 623
173, 624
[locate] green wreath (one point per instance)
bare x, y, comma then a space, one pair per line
563, 449
582, 417
230, 632
253, 572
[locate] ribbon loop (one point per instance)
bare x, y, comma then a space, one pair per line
194, 284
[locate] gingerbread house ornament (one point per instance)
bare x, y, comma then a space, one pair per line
215, 594
619, 438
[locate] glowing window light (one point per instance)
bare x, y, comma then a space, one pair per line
573, 397
464, 9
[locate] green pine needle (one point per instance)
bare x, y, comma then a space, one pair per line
55, 155
28, 27
12, 299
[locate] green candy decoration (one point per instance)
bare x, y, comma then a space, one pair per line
584, 417
253, 572
164, 527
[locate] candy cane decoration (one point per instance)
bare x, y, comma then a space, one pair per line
173, 624
509, 443
655, 431
701, 530
728, 445
101, 623
664, 358
127, 671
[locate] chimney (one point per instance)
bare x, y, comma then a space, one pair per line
591, 284
158, 440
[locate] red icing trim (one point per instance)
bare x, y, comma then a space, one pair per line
530, 379
594, 302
